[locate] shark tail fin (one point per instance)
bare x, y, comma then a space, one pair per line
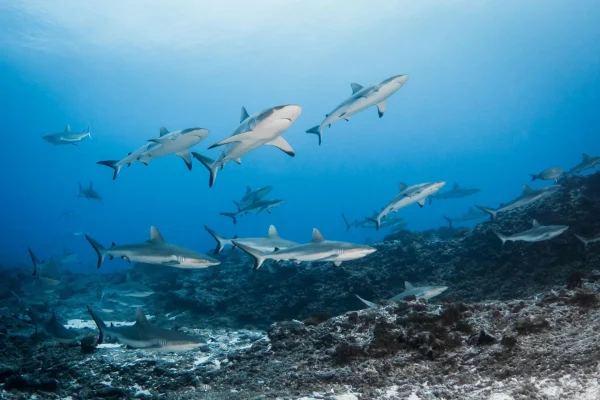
367, 302
230, 215
259, 256
221, 241
502, 237
89, 134
533, 177
583, 240
488, 210
99, 323
348, 226
34, 260
317, 131
377, 222
210, 165
449, 220
100, 250
114, 164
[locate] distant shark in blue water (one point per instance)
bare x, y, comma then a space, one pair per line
454, 193
89, 193
256, 207
131, 158
423, 292
263, 128
67, 137
537, 233
586, 163
176, 142
528, 197
470, 215
368, 223
550, 174
362, 98
269, 243
252, 196
587, 241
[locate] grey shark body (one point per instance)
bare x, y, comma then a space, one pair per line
269, 243
361, 98
154, 251
587, 241
528, 196
318, 249
67, 137
470, 215
408, 195
537, 233
586, 163
423, 292
550, 174
125, 301
176, 142
56, 331
131, 158
129, 288
254, 208
89, 193
252, 196
368, 223
68, 257
263, 128
143, 335
455, 193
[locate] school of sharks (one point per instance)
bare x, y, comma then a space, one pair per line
264, 128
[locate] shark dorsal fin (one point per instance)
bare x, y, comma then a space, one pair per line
527, 189
155, 236
585, 156
402, 186
163, 131
455, 186
244, 114
248, 190
355, 87
408, 285
316, 236
273, 232
68, 129
140, 318
536, 224
128, 278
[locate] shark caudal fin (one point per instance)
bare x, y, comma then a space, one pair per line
448, 219
502, 237
114, 164
377, 222
99, 323
259, 256
36, 261
221, 241
348, 226
230, 215
210, 165
317, 131
583, 240
367, 302
533, 177
490, 211
89, 134
100, 250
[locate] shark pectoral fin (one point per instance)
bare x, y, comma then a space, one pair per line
236, 138
238, 161
126, 259
170, 263
187, 158
282, 145
421, 203
381, 108
337, 263
111, 258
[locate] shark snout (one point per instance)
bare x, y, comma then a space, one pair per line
290, 112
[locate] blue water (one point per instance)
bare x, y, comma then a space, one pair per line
497, 90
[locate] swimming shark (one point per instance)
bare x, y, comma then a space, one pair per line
254, 208
423, 292
318, 249
550, 174
527, 197
369, 223
143, 335
54, 329
126, 301
89, 193
252, 196
68, 257
472, 214
131, 158
67, 137
408, 195
454, 193
588, 241
361, 99
129, 288
176, 142
269, 243
537, 233
154, 251
50, 274
34, 260
263, 128
586, 163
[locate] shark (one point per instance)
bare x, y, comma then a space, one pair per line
454, 193
131, 158
143, 335
537, 233
256, 207
586, 163
361, 99
549, 174
50, 275
68, 257
528, 196
470, 215
125, 301
318, 249
370, 224
54, 329
269, 243
67, 137
422, 292
255, 195
408, 195
89, 193
129, 288
587, 241
262, 128
176, 142
154, 251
